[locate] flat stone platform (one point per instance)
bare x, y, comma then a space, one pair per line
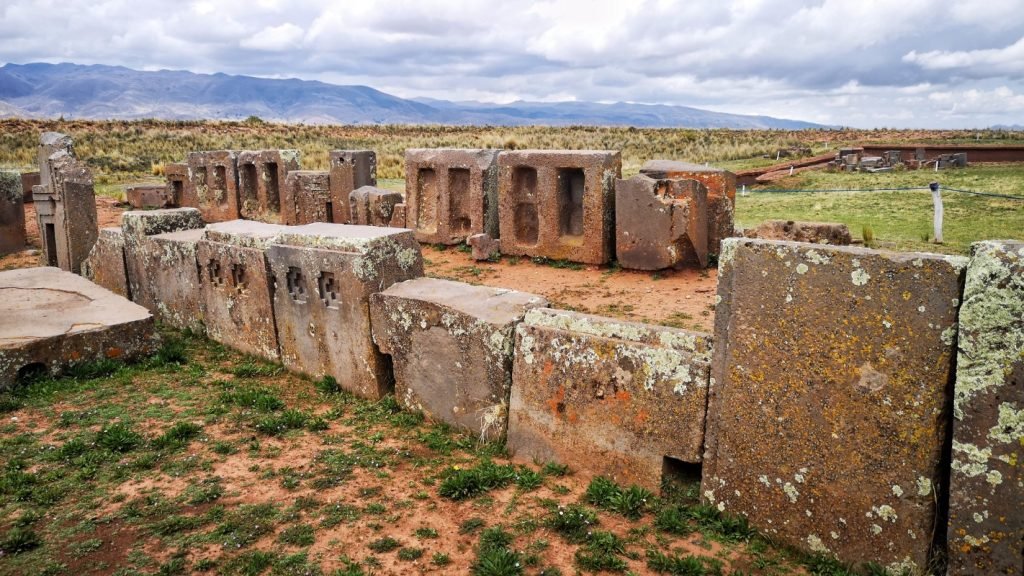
51, 319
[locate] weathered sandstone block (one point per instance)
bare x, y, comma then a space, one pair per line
834, 233
213, 188
66, 211
308, 198
369, 206
660, 223
721, 193
145, 196
325, 274
484, 247
558, 203
105, 265
829, 394
147, 277
607, 396
451, 193
53, 319
12, 213
986, 501
451, 347
261, 174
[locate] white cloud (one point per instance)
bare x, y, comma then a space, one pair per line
989, 62
275, 38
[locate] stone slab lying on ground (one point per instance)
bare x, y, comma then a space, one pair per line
235, 285
986, 501
12, 213
325, 274
53, 319
558, 204
451, 193
105, 265
829, 395
138, 227
616, 398
451, 348
660, 223
835, 233
721, 193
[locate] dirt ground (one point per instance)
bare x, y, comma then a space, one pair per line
683, 299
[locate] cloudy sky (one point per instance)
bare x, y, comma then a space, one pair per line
865, 63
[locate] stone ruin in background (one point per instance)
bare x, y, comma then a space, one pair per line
819, 409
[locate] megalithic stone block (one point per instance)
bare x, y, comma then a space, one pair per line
324, 276
49, 144
451, 193
835, 233
261, 177
721, 194
179, 186
54, 319
235, 285
147, 270
451, 348
145, 196
986, 500
369, 206
106, 262
558, 204
611, 397
28, 180
829, 396
214, 184
308, 198
362, 162
660, 223
12, 213
171, 264
73, 207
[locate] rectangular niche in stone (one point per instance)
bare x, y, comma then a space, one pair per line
309, 197
451, 193
451, 348
324, 275
607, 396
261, 175
235, 285
558, 204
829, 400
213, 182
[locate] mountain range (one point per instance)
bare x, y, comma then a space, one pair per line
40, 90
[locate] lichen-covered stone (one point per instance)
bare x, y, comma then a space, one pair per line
660, 223
325, 275
66, 210
105, 265
558, 204
308, 197
721, 186
145, 276
235, 285
607, 396
12, 213
451, 347
828, 397
53, 319
835, 233
170, 264
986, 501
451, 193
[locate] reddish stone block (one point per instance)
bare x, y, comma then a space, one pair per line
261, 175
308, 198
28, 181
660, 223
451, 193
12, 213
616, 398
144, 197
558, 204
66, 211
834, 233
828, 403
179, 186
105, 265
369, 206
213, 178
147, 268
721, 186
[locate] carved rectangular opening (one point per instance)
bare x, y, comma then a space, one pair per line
525, 220
220, 184
426, 195
248, 183
296, 284
329, 207
680, 476
571, 187
459, 201
199, 179
270, 176
177, 192
329, 290
51, 244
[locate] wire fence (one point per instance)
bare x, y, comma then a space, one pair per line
912, 188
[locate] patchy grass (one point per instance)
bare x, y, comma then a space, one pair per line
187, 464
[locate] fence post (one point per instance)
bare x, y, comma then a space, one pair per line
937, 204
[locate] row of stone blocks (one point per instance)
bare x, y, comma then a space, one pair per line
829, 398
266, 185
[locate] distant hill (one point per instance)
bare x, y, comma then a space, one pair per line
114, 92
